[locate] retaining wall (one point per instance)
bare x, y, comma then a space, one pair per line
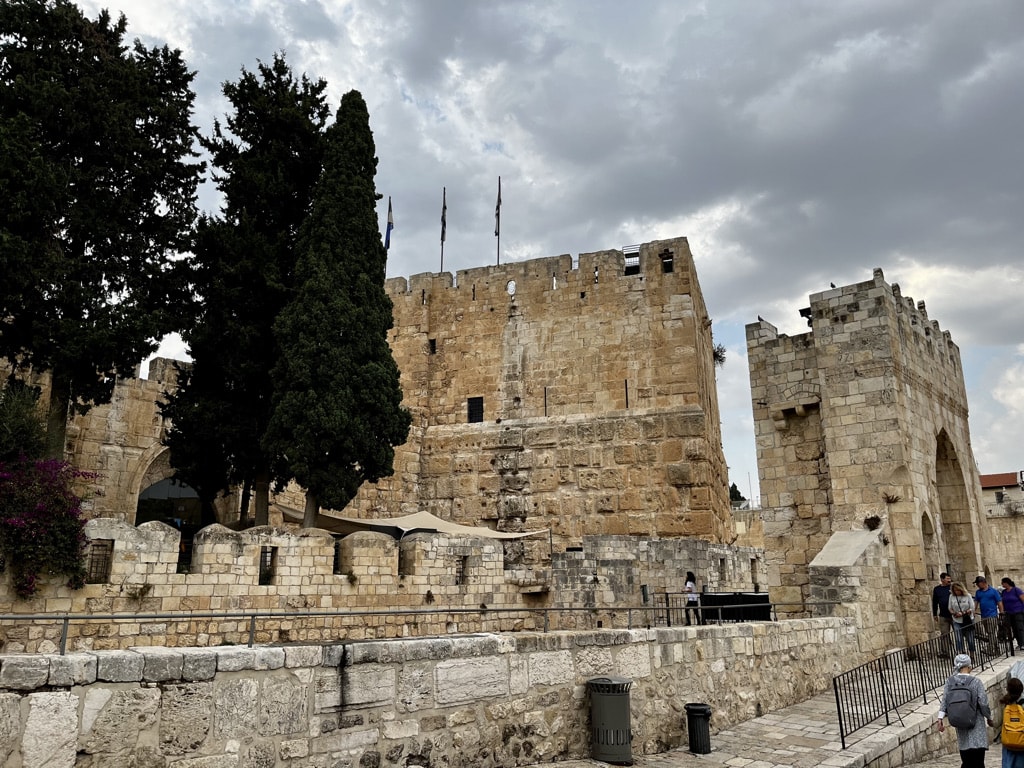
481, 701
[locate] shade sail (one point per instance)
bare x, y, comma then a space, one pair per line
401, 526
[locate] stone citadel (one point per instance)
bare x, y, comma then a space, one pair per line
576, 398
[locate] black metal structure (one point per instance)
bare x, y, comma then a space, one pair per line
877, 689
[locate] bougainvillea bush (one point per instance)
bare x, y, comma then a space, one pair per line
41, 527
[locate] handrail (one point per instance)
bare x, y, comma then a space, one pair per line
652, 614
875, 689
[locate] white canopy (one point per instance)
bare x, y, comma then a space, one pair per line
400, 526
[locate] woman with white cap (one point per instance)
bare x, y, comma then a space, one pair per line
971, 740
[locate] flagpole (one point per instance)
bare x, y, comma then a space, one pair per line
497, 222
444, 216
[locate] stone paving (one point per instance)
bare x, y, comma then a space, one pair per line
806, 736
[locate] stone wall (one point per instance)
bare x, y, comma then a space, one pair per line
860, 422
467, 702
597, 387
424, 584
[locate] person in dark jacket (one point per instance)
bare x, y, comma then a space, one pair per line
940, 603
1013, 609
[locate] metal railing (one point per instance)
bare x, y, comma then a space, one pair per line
338, 624
877, 689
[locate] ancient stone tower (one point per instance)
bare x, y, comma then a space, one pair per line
578, 396
862, 422
572, 395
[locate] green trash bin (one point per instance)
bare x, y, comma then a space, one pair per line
610, 732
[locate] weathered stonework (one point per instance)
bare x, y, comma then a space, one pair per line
470, 702
599, 408
420, 581
860, 422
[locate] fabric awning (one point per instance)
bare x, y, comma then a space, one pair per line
401, 526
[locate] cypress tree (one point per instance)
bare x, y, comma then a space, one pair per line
337, 404
268, 158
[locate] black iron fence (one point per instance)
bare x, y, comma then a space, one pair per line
256, 626
877, 689
678, 608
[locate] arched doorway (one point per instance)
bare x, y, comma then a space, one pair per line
954, 510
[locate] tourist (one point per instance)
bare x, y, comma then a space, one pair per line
940, 604
1013, 722
961, 608
989, 605
971, 741
1013, 610
692, 599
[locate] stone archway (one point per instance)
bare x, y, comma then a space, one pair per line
954, 510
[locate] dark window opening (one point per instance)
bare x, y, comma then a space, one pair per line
583, 294
632, 258
338, 562
185, 551
460, 570
403, 562
98, 559
667, 262
268, 564
433, 346
423, 297
999, 497
475, 410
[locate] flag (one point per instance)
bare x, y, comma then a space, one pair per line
444, 211
497, 212
391, 225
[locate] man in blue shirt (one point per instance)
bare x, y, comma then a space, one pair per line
990, 605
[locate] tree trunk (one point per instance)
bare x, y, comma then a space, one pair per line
311, 511
261, 495
57, 415
243, 507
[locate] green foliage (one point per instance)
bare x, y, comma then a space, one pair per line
41, 526
98, 180
337, 407
267, 158
21, 430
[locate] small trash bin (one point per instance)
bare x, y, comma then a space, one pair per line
610, 732
698, 726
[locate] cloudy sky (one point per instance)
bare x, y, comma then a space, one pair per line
794, 143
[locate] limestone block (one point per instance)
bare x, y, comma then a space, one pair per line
634, 661
186, 716
51, 730
303, 656
368, 685
236, 659
119, 666
345, 740
113, 719
10, 724
461, 680
160, 663
72, 669
24, 673
213, 761
415, 687
400, 729
198, 664
283, 706
268, 658
326, 692
551, 668
235, 707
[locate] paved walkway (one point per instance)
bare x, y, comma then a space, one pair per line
806, 736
